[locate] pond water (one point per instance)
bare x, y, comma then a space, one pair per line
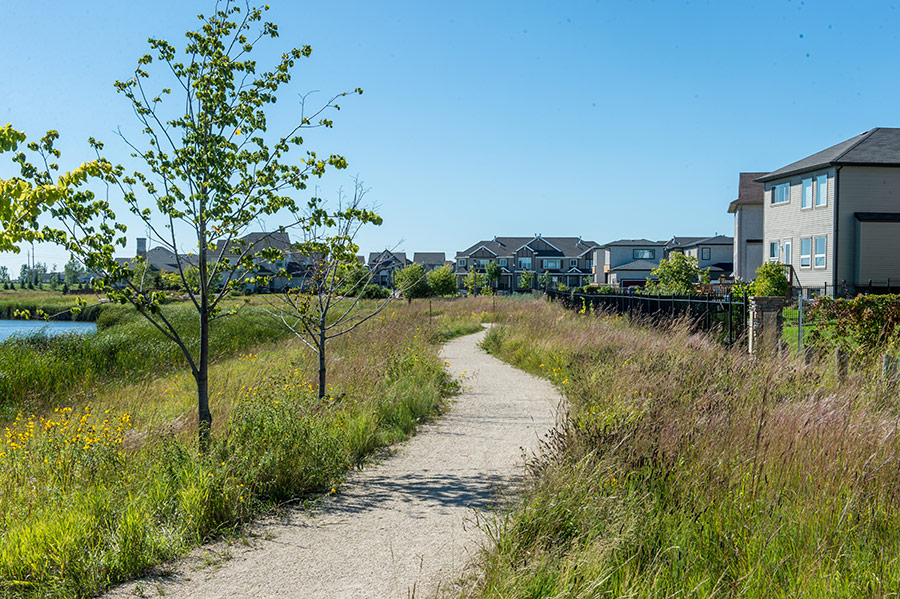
8, 328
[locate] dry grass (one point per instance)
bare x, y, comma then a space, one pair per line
688, 469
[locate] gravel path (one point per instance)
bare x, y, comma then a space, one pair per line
403, 528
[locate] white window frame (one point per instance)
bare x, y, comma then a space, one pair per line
706, 253
502, 261
787, 251
461, 262
784, 190
773, 251
823, 255
806, 193
808, 256
821, 198
520, 263
634, 253
550, 262
588, 263
573, 262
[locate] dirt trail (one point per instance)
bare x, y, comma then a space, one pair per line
402, 528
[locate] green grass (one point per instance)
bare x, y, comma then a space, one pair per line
93, 494
687, 469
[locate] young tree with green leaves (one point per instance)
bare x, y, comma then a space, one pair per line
213, 168
526, 279
322, 307
474, 282
442, 281
72, 272
545, 280
677, 275
413, 281
493, 273
4, 274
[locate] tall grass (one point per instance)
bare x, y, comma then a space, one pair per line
97, 493
688, 469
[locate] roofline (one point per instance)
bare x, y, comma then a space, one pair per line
537, 237
835, 162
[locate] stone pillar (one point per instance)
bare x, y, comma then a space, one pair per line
765, 324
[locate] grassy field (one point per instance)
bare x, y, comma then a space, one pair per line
687, 469
95, 490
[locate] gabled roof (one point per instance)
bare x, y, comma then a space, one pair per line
508, 246
385, 257
634, 243
876, 147
680, 242
636, 265
428, 257
717, 240
750, 191
253, 243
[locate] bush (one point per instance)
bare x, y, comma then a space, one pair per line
412, 282
442, 281
771, 281
677, 275
373, 291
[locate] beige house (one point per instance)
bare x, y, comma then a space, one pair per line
834, 216
748, 226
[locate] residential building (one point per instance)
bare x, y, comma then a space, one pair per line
569, 260
384, 264
430, 260
748, 226
834, 216
713, 253
627, 262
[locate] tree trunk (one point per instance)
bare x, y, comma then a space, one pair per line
205, 416
321, 345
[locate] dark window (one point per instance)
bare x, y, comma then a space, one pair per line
643, 254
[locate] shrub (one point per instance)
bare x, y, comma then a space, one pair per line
771, 281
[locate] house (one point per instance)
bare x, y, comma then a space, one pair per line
627, 262
714, 253
834, 216
568, 260
748, 226
429, 260
384, 264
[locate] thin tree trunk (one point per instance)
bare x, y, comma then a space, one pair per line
321, 345
205, 416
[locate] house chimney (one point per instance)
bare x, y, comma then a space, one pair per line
142, 247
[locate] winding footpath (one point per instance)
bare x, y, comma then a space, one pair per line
405, 527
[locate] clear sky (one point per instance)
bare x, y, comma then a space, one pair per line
596, 119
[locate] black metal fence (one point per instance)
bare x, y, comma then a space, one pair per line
723, 315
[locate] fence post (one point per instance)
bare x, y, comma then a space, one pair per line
840, 364
800, 325
765, 324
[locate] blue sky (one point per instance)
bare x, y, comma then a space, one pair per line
596, 119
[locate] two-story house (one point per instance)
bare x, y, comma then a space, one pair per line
713, 253
835, 215
748, 226
384, 264
429, 260
568, 260
627, 262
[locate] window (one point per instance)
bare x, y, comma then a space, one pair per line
461, 261
573, 263
524, 263
704, 253
643, 254
806, 198
805, 252
773, 251
822, 190
481, 262
502, 261
588, 263
551, 264
782, 194
786, 253
819, 243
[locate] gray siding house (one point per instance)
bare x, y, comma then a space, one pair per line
384, 264
748, 226
713, 253
627, 262
429, 260
834, 216
569, 260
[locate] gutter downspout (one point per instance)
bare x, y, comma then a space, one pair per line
837, 225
